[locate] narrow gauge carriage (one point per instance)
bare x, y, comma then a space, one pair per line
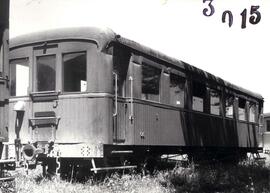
87, 99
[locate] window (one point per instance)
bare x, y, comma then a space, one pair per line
121, 62
46, 73
214, 102
268, 125
199, 91
74, 65
242, 109
150, 82
229, 106
177, 87
19, 77
1, 58
252, 112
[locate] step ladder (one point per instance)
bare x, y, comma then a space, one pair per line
7, 164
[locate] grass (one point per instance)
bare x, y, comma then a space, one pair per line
131, 183
244, 177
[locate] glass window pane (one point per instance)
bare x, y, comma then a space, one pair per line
229, 106
150, 82
214, 102
252, 112
268, 125
19, 77
177, 87
46, 73
199, 91
242, 109
75, 72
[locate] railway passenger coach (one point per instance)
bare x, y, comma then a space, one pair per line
88, 98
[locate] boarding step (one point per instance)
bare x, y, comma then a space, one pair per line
44, 121
122, 152
5, 179
7, 161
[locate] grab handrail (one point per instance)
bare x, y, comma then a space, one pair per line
115, 93
131, 116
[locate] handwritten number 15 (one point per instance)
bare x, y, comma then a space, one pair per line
211, 8
253, 19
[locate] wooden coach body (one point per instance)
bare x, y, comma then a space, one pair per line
162, 105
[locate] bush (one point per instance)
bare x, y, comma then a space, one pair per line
219, 178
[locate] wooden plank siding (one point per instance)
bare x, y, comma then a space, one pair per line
156, 124
83, 119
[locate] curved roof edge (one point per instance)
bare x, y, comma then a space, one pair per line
184, 65
105, 36
100, 36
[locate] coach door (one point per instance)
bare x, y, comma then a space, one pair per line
44, 118
4, 93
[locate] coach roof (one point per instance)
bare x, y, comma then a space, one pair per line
103, 37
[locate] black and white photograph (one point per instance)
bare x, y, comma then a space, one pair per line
133, 96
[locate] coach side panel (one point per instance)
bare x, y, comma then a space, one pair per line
155, 115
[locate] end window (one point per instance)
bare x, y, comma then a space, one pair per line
46, 73
177, 87
150, 82
74, 65
19, 77
199, 93
242, 109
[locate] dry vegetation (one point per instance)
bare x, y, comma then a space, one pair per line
218, 178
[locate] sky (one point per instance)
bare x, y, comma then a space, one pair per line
178, 28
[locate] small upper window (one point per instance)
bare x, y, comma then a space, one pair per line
229, 106
177, 88
199, 92
74, 65
252, 112
150, 82
46, 73
19, 77
242, 109
214, 102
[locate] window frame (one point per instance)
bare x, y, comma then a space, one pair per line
255, 111
226, 97
36, 70
245, 110
179, 75
204, 98
157, 67
27, 59
219, 98
63, 71
267, 125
